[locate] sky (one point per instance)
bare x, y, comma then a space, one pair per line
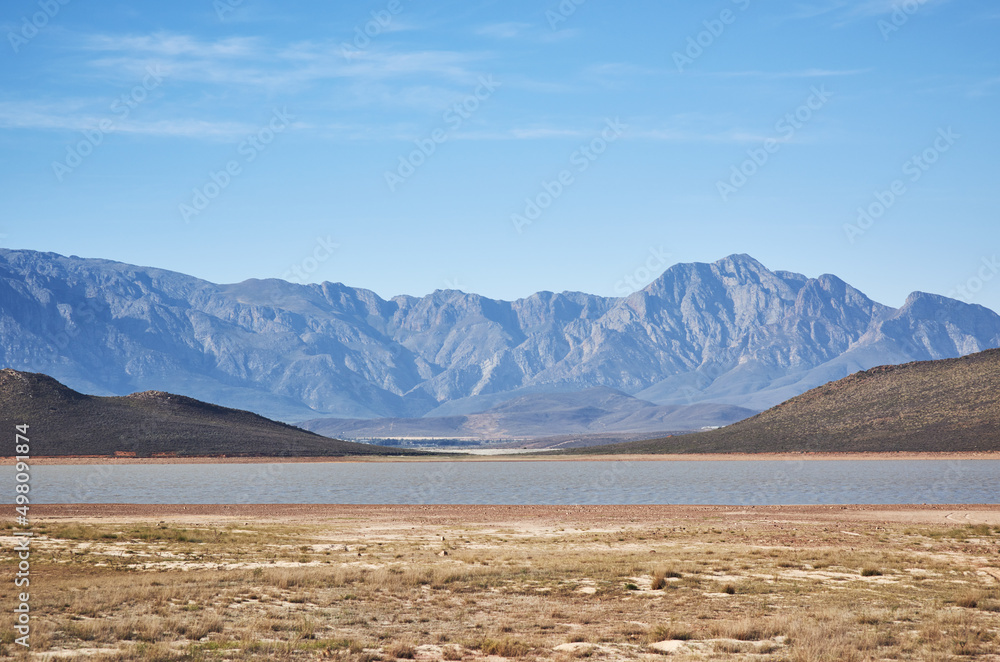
510, 147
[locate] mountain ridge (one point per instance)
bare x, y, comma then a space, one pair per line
730, 332
594, 411
922, 406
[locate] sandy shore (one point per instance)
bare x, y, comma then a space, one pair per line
704, 457
444, 515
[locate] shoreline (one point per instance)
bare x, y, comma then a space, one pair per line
694, 457
496, 515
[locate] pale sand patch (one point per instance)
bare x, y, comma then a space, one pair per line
514, 520
673, 647
429, 652
991, 575
835, 576
574, 647
82, 652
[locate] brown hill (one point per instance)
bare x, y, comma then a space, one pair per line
64, 422
931, 406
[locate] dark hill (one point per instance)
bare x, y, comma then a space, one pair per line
65, 422
929, 406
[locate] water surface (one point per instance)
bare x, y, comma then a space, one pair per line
774, 482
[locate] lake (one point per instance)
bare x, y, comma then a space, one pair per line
769, 482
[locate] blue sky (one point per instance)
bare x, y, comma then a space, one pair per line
507, 147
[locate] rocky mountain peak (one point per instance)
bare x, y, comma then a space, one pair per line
729, 332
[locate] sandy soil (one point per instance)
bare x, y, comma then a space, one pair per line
437, 583
528, 457
528, 516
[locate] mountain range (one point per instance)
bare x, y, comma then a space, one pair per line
594, 411
731, 332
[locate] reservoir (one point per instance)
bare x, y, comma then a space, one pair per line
523, 482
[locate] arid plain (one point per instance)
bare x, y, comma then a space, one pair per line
367, 583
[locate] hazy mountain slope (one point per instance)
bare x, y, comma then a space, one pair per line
943, 405
592, 411
730, 332
65, 422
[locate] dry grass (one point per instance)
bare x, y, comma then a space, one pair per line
358, 593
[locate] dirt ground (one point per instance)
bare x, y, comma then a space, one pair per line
393, 516
488, 583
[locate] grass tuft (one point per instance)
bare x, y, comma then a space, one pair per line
401, 651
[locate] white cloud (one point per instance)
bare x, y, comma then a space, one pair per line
72, 117
504, 30
804, 73
847, 11
880, 7
174, 45
985, 87
682, 132
248, 61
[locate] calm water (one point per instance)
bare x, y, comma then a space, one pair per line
524, 482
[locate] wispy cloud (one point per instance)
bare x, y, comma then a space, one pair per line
847, 11
803, 73
251, 61
504, 30
528, 32
985, 87
682, 131
730, 136
880, 7
73, 117
216, 83
173, 45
